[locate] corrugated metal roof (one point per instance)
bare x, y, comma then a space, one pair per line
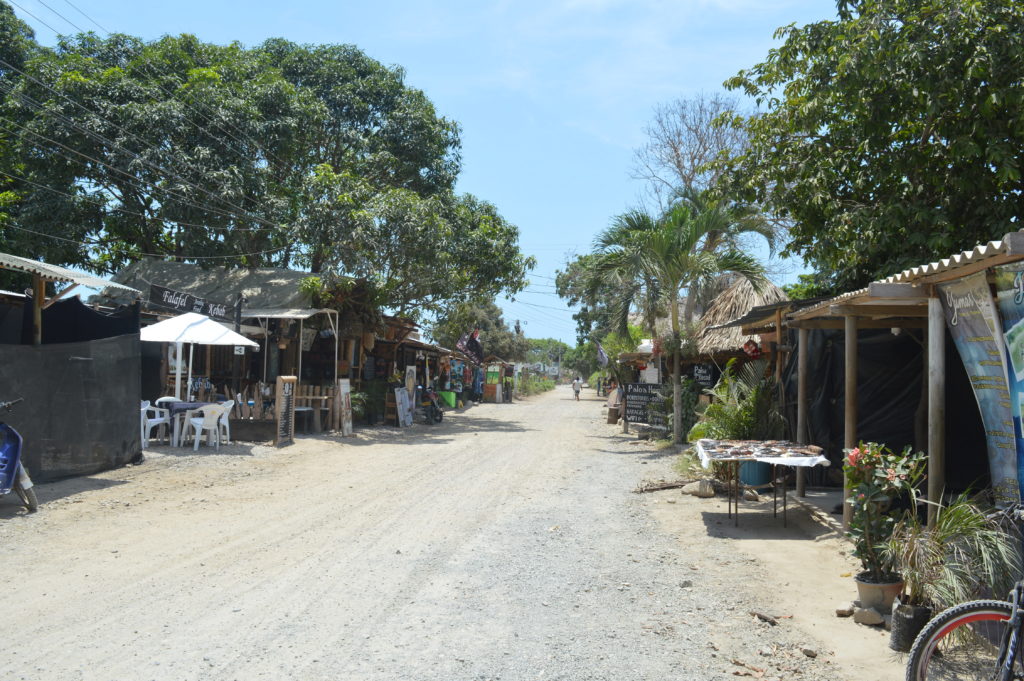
283, 313
815, 310
1004, 249
55, 273
263, 288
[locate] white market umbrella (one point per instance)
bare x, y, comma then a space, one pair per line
191, 328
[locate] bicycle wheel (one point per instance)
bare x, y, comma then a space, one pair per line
961, 643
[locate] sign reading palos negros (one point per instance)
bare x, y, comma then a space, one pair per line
1010, 300
974, 325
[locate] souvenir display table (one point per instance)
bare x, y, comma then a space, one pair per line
732, 453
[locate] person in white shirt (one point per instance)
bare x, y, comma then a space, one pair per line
576, 385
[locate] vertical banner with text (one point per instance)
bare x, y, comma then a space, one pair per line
974, 325
1010, 299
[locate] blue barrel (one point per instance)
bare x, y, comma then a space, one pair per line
755, 473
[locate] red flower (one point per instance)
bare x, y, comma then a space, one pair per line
854, 457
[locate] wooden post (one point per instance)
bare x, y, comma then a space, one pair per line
38, 294
936, 406
778, 347
801, 406
850, 399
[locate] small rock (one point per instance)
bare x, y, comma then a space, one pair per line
686, 584
888, 622
751, 495
701, 488
845, 610
868, 616
809, 652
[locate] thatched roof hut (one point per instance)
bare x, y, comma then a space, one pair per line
731, 304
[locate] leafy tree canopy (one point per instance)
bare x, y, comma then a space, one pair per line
284, 155
495, 335
546, 351
890, 135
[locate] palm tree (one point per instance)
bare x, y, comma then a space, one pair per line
694, 242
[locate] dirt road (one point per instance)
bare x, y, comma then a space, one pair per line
505, 543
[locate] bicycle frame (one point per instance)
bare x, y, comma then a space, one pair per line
1009, 651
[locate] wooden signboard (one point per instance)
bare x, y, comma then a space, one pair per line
705, 374
644, 404
345, 397
284, 410
402, 405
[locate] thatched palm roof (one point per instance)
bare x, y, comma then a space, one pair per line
732, 303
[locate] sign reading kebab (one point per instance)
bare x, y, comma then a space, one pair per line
169, 299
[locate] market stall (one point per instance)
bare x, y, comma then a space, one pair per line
733, 453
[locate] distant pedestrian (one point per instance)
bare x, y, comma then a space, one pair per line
576, 385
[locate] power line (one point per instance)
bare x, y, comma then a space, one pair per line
103, 139
90, 244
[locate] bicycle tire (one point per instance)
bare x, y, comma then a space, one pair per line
961, 642
27, 496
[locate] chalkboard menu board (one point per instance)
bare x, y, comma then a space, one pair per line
644, 404
284, 409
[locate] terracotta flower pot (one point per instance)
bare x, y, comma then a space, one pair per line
877, 596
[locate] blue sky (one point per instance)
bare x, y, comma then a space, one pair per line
552, 96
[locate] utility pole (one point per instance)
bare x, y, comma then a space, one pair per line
236, 383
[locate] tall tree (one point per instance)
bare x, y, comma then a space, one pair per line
495, 335
665, 257
683, 141
890, 135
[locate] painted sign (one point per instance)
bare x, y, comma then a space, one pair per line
169, 299
345, 393
705, 374
403, 405
644, 404
284, 410
974, 325
1009, 281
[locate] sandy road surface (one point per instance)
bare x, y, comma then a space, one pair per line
505, 543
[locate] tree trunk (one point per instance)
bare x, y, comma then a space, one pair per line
677, 394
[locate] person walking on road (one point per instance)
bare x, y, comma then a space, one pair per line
577, 383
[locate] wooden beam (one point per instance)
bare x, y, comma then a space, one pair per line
57, 297
850, 404
801, 405
825, 323
38, 294
936, 406
880, 310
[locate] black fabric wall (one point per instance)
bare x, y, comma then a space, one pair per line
889, 374
71, 321
81, 408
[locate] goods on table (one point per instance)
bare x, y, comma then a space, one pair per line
732, 449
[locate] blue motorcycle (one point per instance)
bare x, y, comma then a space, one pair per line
12, 474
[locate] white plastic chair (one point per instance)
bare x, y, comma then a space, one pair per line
225, 421
160, 419
210, 422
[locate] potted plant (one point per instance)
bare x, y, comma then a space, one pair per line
875, 476
964, 555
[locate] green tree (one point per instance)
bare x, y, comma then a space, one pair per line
496, 337
547, 351
668, 255
890, 135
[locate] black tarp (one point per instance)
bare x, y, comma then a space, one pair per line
72, 321
81, 409
889, 373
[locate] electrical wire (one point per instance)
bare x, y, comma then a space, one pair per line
92, 244
104, 140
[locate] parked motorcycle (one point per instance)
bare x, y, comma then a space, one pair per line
431, 405
12, 474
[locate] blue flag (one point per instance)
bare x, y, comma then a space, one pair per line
602, 356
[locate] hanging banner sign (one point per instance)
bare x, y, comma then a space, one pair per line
1010, 299
974, 325
169, 299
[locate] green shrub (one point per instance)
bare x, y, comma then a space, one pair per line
743, 406
535, 384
